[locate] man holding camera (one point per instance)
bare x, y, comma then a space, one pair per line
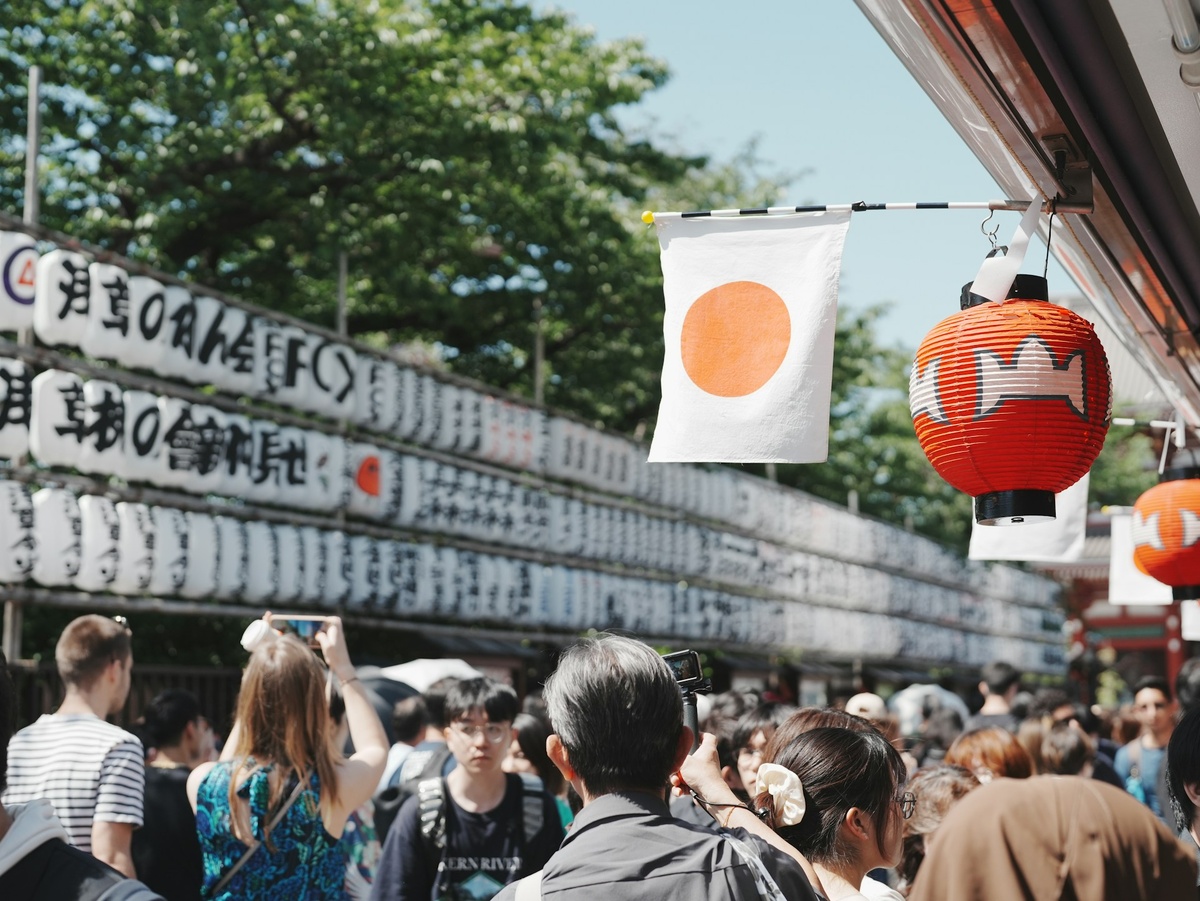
618, 736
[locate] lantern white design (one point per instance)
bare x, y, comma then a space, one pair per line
226, 349
450, 401
469, 422
107, 330
16, 407
18, 280
147, 324
293, 466
428, 403
465, 591
265, 466
365, 571
57, 534
314, 552
404, 575
203, 557
332, 369
337, 569
142, 443
57, 418
232, 561
60, 307
375, 384
327, 473
177, 461
238, 468
104, 428
100, 534
170, 551
406, 411
180, 344
209, 340
295, 388
16, 533
290, 578
263, 562
270, 357
390, 577
209, 472
135, 548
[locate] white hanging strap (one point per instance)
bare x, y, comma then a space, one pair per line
997, 272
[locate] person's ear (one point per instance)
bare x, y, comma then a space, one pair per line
557, 752
1192, 790
732, 778
683, 747
858, 823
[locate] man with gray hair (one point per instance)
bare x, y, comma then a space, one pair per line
617, 715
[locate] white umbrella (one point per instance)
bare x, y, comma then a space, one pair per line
423, 672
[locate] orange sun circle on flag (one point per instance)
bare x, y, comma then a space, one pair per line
735, 338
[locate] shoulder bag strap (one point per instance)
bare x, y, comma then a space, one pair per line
241, 861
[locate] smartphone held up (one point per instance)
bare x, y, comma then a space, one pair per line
303, 625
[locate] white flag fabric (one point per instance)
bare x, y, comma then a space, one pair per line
751, 308
1126, 583
1059, 540
1189, 620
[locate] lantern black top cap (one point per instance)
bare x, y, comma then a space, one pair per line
1026, 287
1179, 473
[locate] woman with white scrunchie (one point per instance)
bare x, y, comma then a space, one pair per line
836, 796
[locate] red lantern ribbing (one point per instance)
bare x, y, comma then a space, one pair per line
1166, 532
1011, 401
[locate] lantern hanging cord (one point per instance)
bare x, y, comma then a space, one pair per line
1049, 236
1049, 206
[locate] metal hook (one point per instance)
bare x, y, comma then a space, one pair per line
990, 235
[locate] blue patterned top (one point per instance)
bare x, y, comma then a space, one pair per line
306, 863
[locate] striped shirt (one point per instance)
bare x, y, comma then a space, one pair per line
87, 768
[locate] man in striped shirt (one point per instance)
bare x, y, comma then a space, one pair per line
91, 771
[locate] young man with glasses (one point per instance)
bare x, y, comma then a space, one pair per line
91, 771
469, 834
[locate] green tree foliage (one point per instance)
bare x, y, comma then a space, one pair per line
464, 153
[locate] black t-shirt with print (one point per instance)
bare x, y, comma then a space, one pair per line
483, 851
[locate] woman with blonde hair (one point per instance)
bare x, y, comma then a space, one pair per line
270, 813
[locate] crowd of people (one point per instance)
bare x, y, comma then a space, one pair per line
591, 785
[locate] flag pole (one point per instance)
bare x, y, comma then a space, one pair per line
1050, 206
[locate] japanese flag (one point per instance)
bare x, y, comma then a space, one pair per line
751, 307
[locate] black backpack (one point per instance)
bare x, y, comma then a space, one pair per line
432, 793
55, 870
389, 800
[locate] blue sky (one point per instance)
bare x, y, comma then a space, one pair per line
814, 82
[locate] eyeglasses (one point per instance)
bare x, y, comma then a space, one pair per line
493, 732
908, 803
1152, 705
751, 753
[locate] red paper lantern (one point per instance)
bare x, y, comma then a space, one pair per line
1166, 532
1011, 401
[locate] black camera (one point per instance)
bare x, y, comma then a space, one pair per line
685, 667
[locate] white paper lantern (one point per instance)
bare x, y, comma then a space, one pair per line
147, 324
103, 450
365, 571
180, 444
314, 552
289, 551
337, 569
238, 478
135, 548
264, 471
16, 407
270, 357
57, 420
209, 473
295, 390
332, 369
470, 435
180, 343
390, 575
61, 294
406, 575
108, 329
142, 444
57, 532
465, 595
16, 533
375, 384
450, 415
406, 412
232, 559
210, 340
170, 551
327, 471
293, 467
227, 345
442, 581
100, 536
18, 280
429, 393
263, 562
204, 552
369, 489
429, 580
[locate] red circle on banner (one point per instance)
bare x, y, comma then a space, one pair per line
735, 338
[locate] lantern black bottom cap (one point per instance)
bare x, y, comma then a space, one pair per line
1014, 506
1186, 592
